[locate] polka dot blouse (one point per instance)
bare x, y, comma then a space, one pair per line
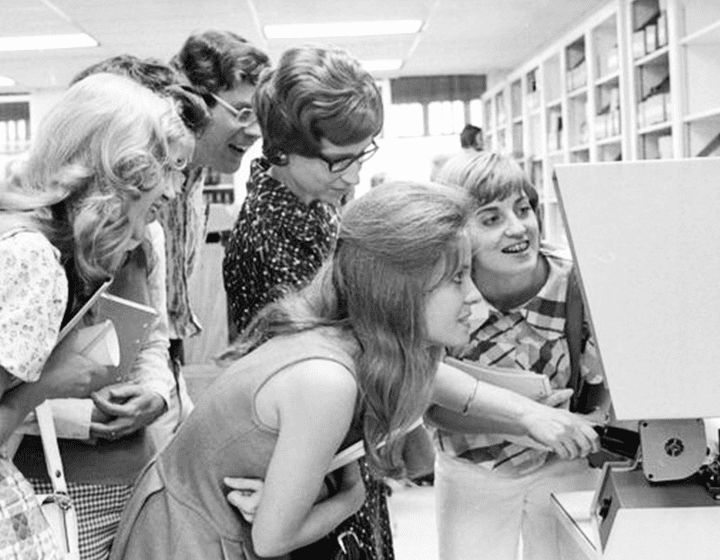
277, 242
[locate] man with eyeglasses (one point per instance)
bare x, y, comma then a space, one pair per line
319, 112
221, 70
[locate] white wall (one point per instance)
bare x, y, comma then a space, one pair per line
406, 158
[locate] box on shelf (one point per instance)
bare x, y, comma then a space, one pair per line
583, 136
638, 43
662, 35
654, 109
577, 77
615, 120
612, 61
667, 105
532, 100
665, 146
601, 125
651, 42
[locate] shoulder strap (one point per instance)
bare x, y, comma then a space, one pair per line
574, 318
53, 462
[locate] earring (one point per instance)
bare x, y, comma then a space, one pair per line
278, 157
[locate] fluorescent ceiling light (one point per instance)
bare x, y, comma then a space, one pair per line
46, 42
4, 82
382, 64
342, 29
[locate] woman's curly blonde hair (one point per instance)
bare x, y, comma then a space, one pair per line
107, 140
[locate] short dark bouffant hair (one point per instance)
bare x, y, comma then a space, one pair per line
214, 61
316, 93
160, 79
468, 135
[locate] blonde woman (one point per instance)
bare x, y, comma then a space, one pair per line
106, 158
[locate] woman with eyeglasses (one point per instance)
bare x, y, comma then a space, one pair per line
319, 112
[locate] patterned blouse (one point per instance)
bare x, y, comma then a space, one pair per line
277, 242
529, 338
184, 220
33, 295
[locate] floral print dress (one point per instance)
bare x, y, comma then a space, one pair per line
33, 295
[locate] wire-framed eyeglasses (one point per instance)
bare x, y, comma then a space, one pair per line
341, 164
244, 117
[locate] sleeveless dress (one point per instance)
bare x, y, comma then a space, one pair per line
178, 509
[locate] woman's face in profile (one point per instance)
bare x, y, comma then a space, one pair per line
311, 178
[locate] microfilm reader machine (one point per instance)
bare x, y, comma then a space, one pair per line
646, 240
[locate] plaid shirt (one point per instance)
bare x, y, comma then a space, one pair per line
529, 338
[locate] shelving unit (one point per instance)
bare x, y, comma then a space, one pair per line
638, 79
699, 54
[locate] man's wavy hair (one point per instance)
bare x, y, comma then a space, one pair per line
396, 243
216, 60
316, 93
106, 140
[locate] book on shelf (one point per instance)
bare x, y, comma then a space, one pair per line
133, 322
533, 385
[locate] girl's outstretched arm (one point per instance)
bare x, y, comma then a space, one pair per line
463, 404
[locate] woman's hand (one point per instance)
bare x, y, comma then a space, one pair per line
569, 435
128, 407
245, 495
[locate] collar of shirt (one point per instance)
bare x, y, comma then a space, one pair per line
546, 310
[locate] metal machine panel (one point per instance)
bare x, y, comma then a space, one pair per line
637, 519
645, 236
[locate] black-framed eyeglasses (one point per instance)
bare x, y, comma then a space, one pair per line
244, 117
341, 164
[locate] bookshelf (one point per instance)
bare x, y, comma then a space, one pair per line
636, 79
699, 60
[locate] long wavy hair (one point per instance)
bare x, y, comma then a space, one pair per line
106, 140
396, 243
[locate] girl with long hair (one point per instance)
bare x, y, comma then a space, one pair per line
353, 356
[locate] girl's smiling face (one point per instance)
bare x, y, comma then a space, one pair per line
505, 238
